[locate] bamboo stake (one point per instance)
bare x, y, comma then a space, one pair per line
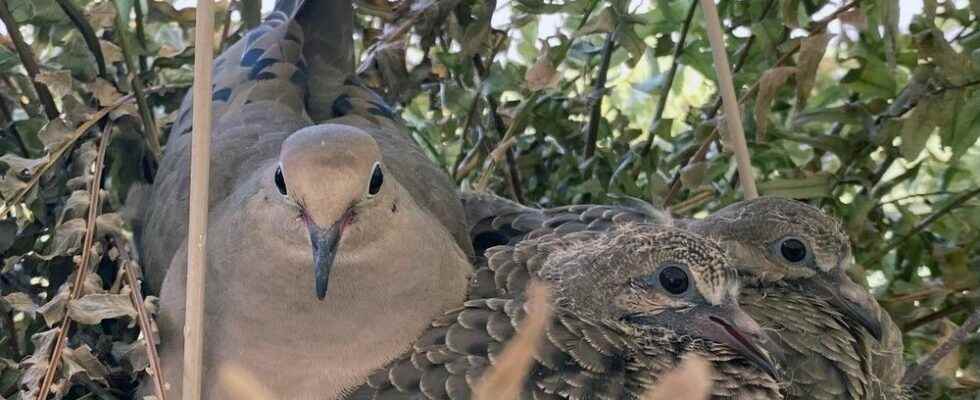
733, 117
197, 226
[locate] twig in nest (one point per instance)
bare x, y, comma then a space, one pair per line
146, 326
506, 378
94, 206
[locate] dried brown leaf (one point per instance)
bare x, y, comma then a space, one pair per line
113, 54
605, 22
691, 380
59, 82
19, 171
54, 133
956, 67
505, 379
104, 92
769, 84
54, 310
82, 361
92, 309
812, 50
693, 174
854, 17
543, 74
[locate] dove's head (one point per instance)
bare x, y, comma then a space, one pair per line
775, 240
336, 177
657, 281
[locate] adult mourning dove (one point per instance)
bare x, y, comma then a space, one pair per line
346, 209
630, 303
792, 259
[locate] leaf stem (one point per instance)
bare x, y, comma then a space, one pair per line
674, 64
88, 34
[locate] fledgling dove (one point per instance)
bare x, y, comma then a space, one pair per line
791, 258
630, 303
333, 241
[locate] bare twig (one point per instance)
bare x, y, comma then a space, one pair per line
29, 61
226, 27
151, 133
674, 64
917, 372
595, 98
506, 378
699, 155
140, 35
726, 85
935, 316
504, 133
145, 325
198, 218
928, 221
95, 206
60, 151
88, 34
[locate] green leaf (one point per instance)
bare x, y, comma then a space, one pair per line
798, 188
966, 125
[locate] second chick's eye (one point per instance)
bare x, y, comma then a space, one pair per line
674, 280
793, 250
377, 179
280, 181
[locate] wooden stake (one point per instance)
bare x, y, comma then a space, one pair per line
733, 117
198, 224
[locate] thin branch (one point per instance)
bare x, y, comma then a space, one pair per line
88, 34
56, 155
912, 196
140, 35
943, 313
226, 27
8, 325
95, 205
29, 61
595, 98
733, 114
198, 216
151, 133
504, 132
928, 221
251, 13
129, 269
919, 371
674, 63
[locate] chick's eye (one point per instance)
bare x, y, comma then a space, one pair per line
674, 280
793, 250
280, 181
377, 179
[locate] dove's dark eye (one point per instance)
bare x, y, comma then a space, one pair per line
674, 280
377, 179
280, 181
793, 250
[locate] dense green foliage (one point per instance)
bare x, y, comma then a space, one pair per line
546, 102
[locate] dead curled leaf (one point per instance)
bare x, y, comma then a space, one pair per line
543, 74
812, 50
92, 309
769, 84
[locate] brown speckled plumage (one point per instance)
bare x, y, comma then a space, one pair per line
829, 354
594, 349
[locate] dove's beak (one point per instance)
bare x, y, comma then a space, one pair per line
325, 242
850, 298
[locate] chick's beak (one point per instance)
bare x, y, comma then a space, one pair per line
325, 242
850, 298
730, 326
733, 327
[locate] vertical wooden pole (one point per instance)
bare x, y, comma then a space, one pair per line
733, 117
198, 224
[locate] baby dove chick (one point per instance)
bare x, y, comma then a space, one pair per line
792, 258
629, 303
